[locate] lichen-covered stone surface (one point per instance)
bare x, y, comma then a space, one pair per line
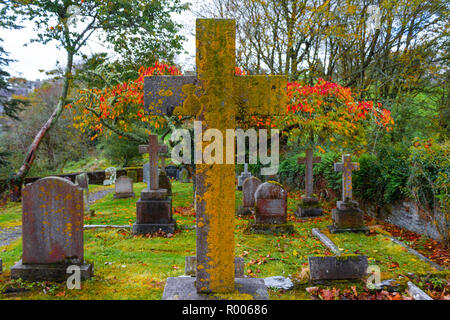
52, 222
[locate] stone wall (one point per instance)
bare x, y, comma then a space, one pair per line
95, 177
405, 214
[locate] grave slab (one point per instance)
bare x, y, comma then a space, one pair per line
183, 288
338, 268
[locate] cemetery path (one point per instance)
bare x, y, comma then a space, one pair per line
98, 195
8, 235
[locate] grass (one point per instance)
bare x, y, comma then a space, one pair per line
136, 267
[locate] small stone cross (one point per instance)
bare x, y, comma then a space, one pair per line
309, 160
153, 148
346, 166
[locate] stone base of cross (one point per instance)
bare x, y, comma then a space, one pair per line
347, 217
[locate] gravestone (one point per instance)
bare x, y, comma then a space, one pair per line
164, 181
82, 180
338, 268
309, 205
347, 217
248, 195
270, 209
184, 175
244, 175
172, 172
52, 231
124, 188
214, 96
154, 208
110, 176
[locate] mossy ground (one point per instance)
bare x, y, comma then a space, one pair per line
136, 267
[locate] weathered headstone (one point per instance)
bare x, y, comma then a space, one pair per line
164, 181
338, 268
270, 210
214, 97
309, 205
248, 195
172, 172
154, 208
146, 174
244, 175
123, 188
184, 175
82, 180
347, 217
110, 176
52, 231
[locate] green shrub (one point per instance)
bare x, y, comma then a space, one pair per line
292, 174
429, 180
325, 169
368, 182
120, 151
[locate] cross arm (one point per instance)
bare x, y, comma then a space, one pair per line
261, 95
162, 94
338, 166
315, 160
162, 149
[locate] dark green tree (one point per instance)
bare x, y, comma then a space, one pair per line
135, 29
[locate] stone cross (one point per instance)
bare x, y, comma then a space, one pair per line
308, 161
215, 96
153, 148
346, 166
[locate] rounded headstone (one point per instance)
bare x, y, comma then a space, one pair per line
249, 187
270, 190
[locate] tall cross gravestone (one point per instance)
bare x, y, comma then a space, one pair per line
214, 97
244, 175
347, 217
154, 208
309, 205
153, 148
52, 231
346, 166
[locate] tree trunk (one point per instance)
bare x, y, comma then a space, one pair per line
17, 179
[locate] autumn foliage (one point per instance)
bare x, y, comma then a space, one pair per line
119, 106
323, 111
328, 113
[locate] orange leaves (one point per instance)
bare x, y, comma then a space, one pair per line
120, 105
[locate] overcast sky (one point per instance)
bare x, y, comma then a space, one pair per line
36, 57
